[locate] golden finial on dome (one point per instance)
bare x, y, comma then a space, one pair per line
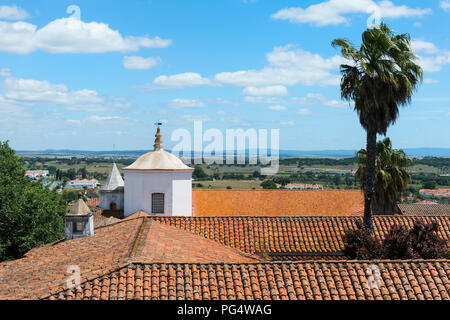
158, 142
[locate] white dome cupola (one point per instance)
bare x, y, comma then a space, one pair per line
158, 183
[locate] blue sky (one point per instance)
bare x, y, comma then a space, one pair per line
103, 77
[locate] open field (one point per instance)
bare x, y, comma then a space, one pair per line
234, 184
240, 176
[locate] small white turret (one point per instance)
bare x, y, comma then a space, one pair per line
111, 193
79, 221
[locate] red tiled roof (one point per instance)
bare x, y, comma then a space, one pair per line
277, 203
330, 280
164, 243
423, 209
44, 270
436, 192
45, 267
291, 234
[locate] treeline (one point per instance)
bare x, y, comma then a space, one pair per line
39, 162
339, 181
71, 174
318, 161
200, 175
441, 163
430, 180
327, 180
437, 162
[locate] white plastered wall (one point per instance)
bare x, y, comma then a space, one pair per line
176, 186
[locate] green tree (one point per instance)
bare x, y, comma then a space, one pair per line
71, 173
83, 172
282, 180
429, 184
391, 176
30, 215
268, 184
52, 170
381, 76
199, 173
337, 180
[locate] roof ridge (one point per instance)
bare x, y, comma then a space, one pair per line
137, 241
275, 190
298, 262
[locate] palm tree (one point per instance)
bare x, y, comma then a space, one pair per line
380, 77
391, 176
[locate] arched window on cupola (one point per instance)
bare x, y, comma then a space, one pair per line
157, 202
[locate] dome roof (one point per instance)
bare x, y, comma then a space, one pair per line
158, 160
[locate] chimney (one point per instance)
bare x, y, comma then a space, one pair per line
79, 221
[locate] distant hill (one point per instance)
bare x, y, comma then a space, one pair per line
412, 152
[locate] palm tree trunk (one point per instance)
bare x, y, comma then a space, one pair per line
369, 179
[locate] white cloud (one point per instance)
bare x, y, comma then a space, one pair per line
70, 35
430, 57
5, 72
308, 99
192, 118
140, 63
277, 108
304, 112
429, 80
37, 91
445, 5
333, 12
419, 45
99, 120
96, 118
181, 80
229, 102
266, 100
74, 121
335, 103
318, 98
186, 103
287, 123
29, 92
13, 13
266, 91
288, 66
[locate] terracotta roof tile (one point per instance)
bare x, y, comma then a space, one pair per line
291, 235
212, 268
164, 243
44, 269
418, 209
277, 203
321, 280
